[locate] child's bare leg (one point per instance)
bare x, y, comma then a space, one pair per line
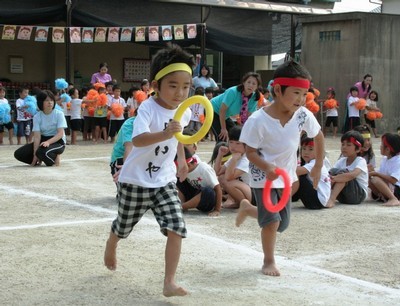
245, 210
268, 239
382, 188
105, 135
192, 203
110, 253
18, 140
172, 254
73, 137
1, 138
10, 136
336, 189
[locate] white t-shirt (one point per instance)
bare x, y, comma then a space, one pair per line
22, 114
370, 103
332, 112
120, 101
277, 144
152, 166
391, 167
197, 110
132, 103
3, 101
203, 176
48, 125
359, 163
76, 111
353, 111
243, 165
324, 184
204, 82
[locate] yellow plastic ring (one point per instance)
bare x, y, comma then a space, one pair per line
186, 139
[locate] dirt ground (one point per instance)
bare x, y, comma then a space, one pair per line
54, 222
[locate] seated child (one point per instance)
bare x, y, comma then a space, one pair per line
193, 146
303, 188
349, 176
385, 183
366, 151
234, 174
201, 188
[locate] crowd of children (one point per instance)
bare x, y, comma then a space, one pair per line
152, 170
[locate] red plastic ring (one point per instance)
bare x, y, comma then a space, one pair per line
285, 194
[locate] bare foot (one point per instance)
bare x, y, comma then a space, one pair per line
392, 202
330, 204
110, 256
173, 290
242, 212
270, 270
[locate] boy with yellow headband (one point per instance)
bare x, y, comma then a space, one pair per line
271, 135
148, 176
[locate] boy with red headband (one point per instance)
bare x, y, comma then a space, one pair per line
349, 176
148, 176
385, 183
271, 135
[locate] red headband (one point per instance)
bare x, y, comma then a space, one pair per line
301, 83
188, 160
387, 145
355, 142
309, 143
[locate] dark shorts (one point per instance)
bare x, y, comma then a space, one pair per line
352, 193
115, 126
8, 126
76, 124
134, 201
207, 198
265, 217
22, 128
307, 194
371, 123
100, 121
331, 120
353, 122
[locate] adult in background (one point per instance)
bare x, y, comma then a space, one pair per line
204, 79
48, 134
238, 101
101, 76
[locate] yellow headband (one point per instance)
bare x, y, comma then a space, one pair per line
172, 68
366, 135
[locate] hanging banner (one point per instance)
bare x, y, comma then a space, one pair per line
178, 32
41, 34
9, 32
75, 35
100, 34
140, 33
25, 33
126, 34
153, 33
58, 35
113, 34
191, 31
87, 35
166, 32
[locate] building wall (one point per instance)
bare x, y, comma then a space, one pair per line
391, 7
368, 44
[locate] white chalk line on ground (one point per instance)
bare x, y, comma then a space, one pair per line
63, 161
217, 241
54, 224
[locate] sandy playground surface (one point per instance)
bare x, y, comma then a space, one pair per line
54, 223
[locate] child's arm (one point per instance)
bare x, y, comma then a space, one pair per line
218, 201
182, 166
222, 118
387, 178
256, 159
231, 172
218, 167
346, 177
301, 170
319, 147
147, 139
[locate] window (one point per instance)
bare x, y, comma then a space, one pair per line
329, 35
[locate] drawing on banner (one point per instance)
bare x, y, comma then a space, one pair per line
113, 34
153, 33
126, 34
178, 32
58, 35
41, 34
166, 32
9, 32
191, 31
140, 34
100, 35
87, 35
25, 33
75, 34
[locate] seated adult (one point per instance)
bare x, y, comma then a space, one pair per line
48, 134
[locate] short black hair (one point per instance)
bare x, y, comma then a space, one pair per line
42, 95
393, 140
290, 69
234, 132
171, 54
356, 135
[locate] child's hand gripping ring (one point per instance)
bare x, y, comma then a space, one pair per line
285, 194
186, 139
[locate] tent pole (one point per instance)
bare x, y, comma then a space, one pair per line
68, 44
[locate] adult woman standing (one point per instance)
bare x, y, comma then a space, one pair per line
101, 76
364, 86
48, 134
237, 100
203, 79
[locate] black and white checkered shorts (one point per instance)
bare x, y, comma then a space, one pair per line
135, 200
